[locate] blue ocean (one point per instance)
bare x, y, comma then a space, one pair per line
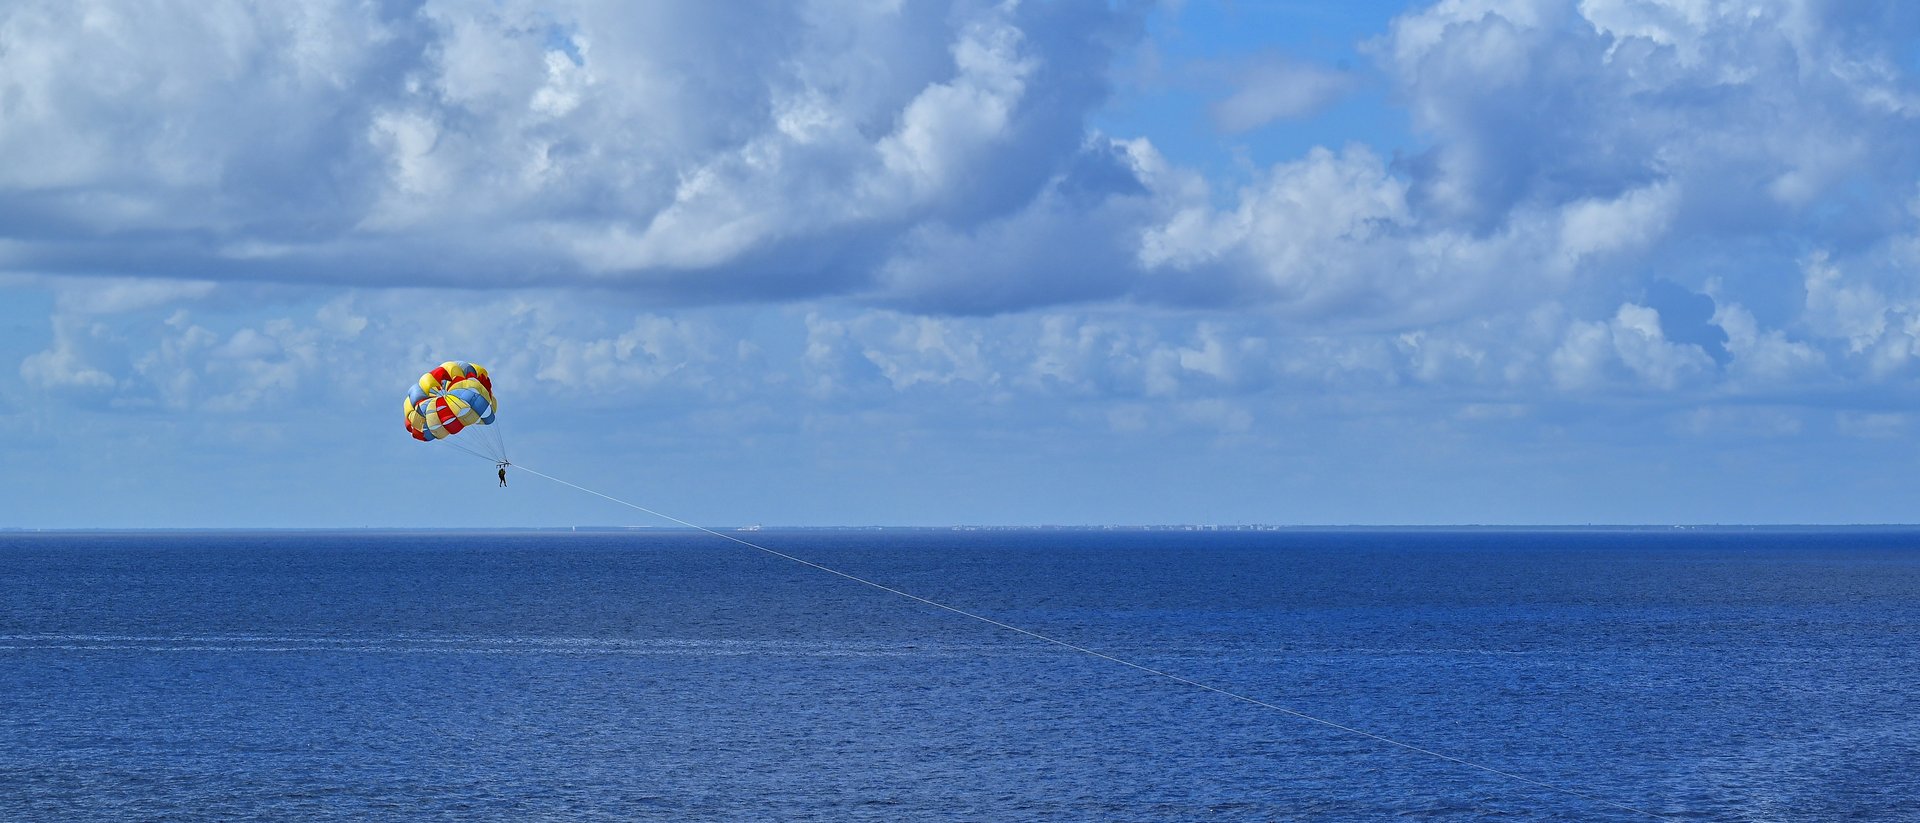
671, 675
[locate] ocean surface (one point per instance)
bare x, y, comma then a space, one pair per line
1705, 675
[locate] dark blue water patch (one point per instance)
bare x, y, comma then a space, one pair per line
674, 676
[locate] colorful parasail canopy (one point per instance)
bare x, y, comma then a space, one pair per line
453, 396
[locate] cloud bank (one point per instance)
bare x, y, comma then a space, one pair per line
933, 157
1704, 217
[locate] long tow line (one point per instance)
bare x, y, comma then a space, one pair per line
1110, 658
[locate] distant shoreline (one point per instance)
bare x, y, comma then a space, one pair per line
1184, 528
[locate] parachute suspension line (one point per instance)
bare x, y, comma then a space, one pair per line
491, 449
496, 442
1110, 658
469, 450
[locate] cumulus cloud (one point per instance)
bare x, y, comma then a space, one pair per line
1644, 348
1631, 345
66, 364
1336, 236
707, 152
238, 355
1598, 201
936, 158
1765, 356
1758, 107
1856, 312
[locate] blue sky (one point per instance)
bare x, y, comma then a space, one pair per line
869, 262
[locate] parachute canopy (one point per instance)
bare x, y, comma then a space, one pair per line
454, 396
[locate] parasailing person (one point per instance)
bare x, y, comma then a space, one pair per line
457, 396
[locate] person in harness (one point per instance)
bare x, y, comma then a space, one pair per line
503, 473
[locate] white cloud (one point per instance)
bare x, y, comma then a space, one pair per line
66, 366
949, 126
1581, 360
1836, 308
920, 182
1274, 89
1632, 344
671, 147
1765, 356
1437, 358
936, 158
1335, 237
1630, 222
1757, 109
929, 351
654, 349
1644, 348
1307, 233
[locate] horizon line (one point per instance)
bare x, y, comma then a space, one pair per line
963, 527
